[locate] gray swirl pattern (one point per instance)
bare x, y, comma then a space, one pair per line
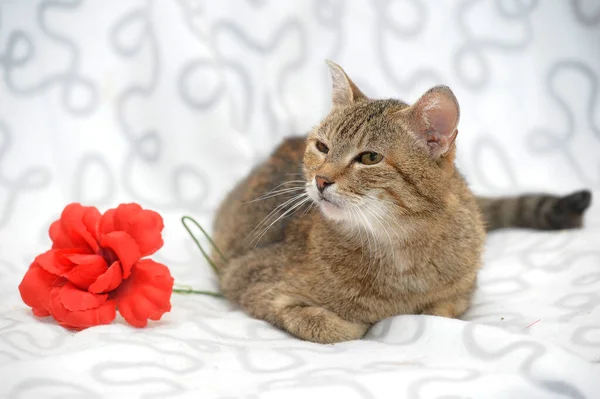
169, 103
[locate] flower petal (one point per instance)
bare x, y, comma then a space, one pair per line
57, 309
146, 294
108, 281
76, 228
35, 289
125, 247
107, 222
56, 261
86, 270
144, 226
80, 319
73, 298
40, 312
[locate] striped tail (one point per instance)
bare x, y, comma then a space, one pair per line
535, 211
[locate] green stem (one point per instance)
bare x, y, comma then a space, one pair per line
208, 259
189, 290
196, 292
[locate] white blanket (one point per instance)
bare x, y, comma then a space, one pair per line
533, 331
169, 103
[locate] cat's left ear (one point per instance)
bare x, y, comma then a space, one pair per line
343, 90
434, 118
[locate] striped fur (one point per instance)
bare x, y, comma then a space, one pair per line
535, 211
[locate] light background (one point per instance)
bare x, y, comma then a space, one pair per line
168, 103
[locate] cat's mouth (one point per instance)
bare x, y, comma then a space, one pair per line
331, 208
327, 202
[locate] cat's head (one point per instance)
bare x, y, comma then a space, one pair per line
369, 159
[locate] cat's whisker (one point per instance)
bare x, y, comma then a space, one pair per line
274, 212
272, 194
395, 226
358, 230
274, 189
382, 254
286, 213
377, 253
392, 249
277, 208
310, 204
377, 215
377, 219
369, 230
309, 208
288, 182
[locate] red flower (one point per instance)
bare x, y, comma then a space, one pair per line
95, 268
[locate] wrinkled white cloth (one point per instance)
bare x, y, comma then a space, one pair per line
533, 331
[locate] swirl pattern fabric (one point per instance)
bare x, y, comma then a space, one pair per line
169, 103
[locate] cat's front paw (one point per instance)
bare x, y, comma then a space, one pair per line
316, 324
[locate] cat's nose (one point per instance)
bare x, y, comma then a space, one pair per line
323, 183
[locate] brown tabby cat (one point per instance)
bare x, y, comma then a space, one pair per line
395, 229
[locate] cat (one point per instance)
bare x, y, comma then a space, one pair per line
366, 218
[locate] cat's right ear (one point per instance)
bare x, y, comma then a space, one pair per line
344, 91
434, 119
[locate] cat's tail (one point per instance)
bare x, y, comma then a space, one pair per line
535, 211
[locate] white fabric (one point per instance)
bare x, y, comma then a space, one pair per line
169, 103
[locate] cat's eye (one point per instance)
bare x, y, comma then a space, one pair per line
369, 158
322, 147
